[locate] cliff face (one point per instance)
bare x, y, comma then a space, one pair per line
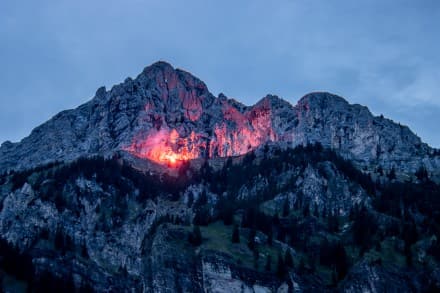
311, 181
359, 136
105, 226
168, 115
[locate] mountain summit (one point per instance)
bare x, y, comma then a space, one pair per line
158, 186
168, 115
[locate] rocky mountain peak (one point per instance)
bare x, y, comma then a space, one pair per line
330, 216
165, 76
322, 100
170, 114
272, 101
176, 88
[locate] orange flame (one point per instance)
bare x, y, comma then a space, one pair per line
164, 148
167, 147
164, 154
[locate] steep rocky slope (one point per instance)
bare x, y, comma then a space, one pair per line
168, 114
158, 186
101, 225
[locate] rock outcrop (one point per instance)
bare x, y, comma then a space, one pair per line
166, 114
287, 198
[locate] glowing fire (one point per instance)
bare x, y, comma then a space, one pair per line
172, 159
165, 147
169, 147
164, 154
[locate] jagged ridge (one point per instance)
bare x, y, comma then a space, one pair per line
167, 110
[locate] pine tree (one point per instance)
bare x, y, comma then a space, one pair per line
286, 208
332, 222
306, 210
392, 174
256, 255
281, 236
195, 238
324, 212
236, 234
59, 241
270, 237
380, 170
226, 211
251, 239
341, 261
315, 211
281, 267
334, 278
190, 199
302, 266
422, 174
268, 263
84, 252
288, 260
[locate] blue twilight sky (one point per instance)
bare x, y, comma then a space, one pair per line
383, 54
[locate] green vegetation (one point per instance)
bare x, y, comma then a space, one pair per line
236, 235
217, 237
195, 237
259, 232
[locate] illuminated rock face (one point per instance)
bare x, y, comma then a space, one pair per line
234, 130
241, 132
166, 147
180, 120
167, 115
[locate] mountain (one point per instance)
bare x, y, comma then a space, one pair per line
168, 113
158, 186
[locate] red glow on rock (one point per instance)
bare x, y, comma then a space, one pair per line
236, 134
165, 147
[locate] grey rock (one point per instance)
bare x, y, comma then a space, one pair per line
162, 99
370, 277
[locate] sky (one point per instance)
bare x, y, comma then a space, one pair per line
380, 53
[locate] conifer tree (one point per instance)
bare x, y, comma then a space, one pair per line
281, 267
195, 238
268, 263
288, 260
236, 234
